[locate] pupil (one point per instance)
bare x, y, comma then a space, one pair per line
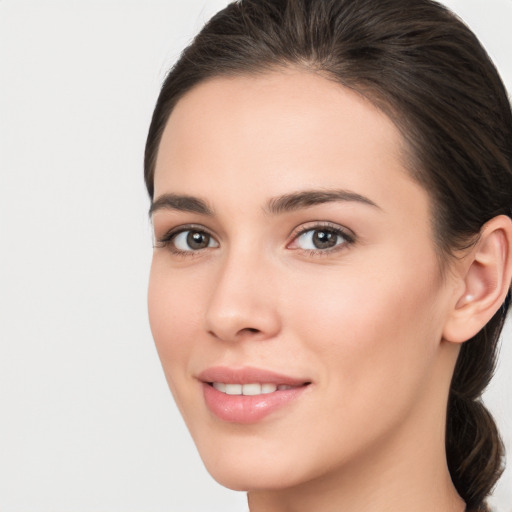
197, 240
324, 239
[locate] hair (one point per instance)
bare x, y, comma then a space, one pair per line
419, 64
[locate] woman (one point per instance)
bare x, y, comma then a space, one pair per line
331, 186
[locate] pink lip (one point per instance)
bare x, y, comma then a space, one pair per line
248, 409
248, 375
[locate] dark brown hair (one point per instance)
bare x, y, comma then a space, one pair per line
427, 71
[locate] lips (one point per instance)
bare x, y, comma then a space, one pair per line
248, 395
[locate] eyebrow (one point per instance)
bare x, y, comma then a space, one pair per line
182, 203
309, 198
275, 206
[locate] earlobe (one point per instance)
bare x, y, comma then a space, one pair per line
486, 272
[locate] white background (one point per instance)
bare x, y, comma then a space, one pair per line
86, 420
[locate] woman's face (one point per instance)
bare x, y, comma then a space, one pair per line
294, 268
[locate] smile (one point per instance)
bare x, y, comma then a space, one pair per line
249, 395
252, 389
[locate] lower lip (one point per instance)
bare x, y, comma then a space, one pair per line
248, 409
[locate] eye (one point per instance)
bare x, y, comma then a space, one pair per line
192, 240
320, 238
187, 241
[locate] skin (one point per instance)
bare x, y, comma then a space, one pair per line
362, 321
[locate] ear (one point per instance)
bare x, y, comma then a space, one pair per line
485, 275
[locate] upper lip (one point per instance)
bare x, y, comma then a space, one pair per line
248, 375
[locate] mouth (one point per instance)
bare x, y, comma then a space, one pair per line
251, 389
249, 395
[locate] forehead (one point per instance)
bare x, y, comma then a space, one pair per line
275, 132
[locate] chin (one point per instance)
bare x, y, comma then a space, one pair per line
251, 467
255, 477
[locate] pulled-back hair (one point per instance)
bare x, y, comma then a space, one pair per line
426, 70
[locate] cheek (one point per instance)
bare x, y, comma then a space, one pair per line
175, 317
373, 340
373, 327
174, 314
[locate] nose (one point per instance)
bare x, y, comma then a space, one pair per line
243, 301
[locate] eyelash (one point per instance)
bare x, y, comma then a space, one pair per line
348, 237
166, 241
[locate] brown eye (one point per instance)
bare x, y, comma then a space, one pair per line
324, 239
197, 240
193, 240
319, 239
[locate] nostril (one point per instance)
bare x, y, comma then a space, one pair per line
247, 331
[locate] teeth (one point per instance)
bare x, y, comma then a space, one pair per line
233, 389
248, 389
251, 389
220, 386
268, 388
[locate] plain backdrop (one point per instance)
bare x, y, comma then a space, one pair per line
86, 420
